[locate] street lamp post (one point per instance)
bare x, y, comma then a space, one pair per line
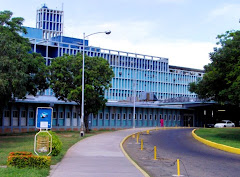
134, 95
134, 99
83, 65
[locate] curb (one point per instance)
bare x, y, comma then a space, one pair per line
134, 163
128, 157
216, 145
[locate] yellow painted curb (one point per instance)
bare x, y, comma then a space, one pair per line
216, 145
134, 163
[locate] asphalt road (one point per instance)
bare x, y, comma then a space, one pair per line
199, 160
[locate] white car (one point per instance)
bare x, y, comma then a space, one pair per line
224, 123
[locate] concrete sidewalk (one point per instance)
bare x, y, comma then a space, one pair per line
98, 156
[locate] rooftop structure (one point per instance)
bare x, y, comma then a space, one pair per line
50, 21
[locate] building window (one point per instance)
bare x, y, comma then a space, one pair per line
140, 116
124, 116
113, 116
69, 115
150, 116
118, 117
31, 114
23, 114
107, 116
169, 117
155, 117
61, 115
54, 115
95, 116
174, 117
160, 116
165, 117
15, 113
145, 116
101, 115
179, 118
74, 115
129, 116
7, 113
135, 116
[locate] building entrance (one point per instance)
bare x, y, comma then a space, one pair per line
188, 120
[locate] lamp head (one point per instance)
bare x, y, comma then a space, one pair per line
107, 32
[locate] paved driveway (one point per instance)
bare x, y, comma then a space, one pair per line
200, 160
98, 156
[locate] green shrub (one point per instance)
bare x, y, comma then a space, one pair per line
31, 161
56, 143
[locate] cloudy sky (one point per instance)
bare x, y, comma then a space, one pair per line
184, 31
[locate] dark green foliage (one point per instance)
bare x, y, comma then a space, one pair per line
66, 81
56, 144
221, 81
21, 72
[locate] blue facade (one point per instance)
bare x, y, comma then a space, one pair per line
153, 77
151, 74
33, 33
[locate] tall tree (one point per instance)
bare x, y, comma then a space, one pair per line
221, 81
66, 79
21, 72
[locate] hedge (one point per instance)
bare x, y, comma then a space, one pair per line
19, 153
26, 159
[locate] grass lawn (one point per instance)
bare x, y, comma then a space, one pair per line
25, 142
226, 136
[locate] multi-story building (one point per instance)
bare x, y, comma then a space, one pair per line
154, 81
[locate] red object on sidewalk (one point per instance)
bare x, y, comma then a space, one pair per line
162, 122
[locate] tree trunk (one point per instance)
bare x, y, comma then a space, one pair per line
86, 123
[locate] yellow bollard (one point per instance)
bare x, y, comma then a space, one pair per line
178, 167
155, 153
137, 137
141, 144
204, 126
133, 136
188, 125
147, 132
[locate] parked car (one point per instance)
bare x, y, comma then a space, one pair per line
224, 123
210, 125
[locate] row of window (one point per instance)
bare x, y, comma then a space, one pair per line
169, 117
74, 115
117, 94
61, 115
153, 76
138, 63
142, 85
45, 15
15, 114
125, 61
23, 114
